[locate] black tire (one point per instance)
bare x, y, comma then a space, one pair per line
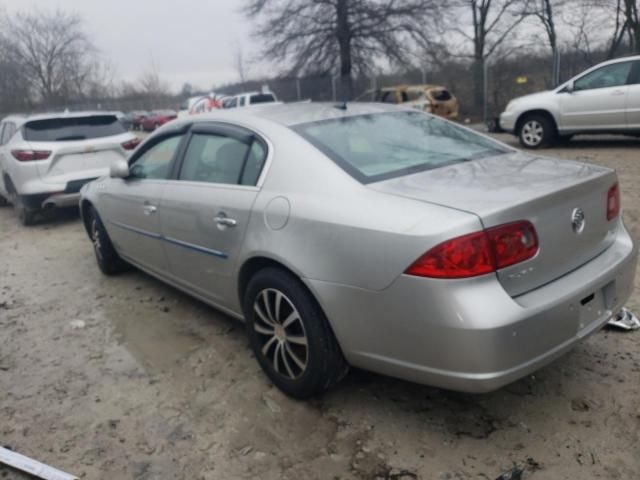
536, 131
324, 364
108, 259
26, 216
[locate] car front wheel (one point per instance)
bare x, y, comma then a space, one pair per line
108, 259
536, 131
290, 335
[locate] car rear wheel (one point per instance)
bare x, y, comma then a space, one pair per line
290, 335
536, 131
26, 215
108, 259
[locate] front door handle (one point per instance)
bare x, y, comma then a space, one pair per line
224, 221
618, 92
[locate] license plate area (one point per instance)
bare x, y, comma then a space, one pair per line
594, 305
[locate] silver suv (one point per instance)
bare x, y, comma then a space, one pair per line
603, 99
45, 159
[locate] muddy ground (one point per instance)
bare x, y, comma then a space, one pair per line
125, 378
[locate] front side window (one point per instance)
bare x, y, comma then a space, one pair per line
67, 129
608, 76
155, 162
220, 159
386, 145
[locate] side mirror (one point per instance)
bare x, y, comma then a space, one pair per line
119, 169
569, 88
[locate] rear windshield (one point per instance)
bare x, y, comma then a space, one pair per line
386, 145
262, 98
72, 128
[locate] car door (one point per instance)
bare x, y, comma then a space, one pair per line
205, 211
633, 98
598, 99
131, 205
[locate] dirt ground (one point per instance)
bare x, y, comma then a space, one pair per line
126, 378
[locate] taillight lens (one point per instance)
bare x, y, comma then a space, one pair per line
460, 257
131, 144
513, 243
30, 155
478, 253
613, 202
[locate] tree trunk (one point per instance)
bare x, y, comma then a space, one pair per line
344, 40
478, 84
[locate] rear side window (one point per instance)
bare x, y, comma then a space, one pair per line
262, 98
72, 128
387, 145
219, 159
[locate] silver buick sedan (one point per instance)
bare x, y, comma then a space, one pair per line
373, 236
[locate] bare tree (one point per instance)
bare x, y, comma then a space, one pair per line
240, 63
627, 22
316, 36
546, 11
54, 52
493, 21
151, 84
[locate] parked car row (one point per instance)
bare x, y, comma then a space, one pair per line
46, 159
359, 234
390, 263
603, 99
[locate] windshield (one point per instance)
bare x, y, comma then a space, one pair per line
386, 145
72, 128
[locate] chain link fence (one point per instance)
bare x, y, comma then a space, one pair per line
503, 80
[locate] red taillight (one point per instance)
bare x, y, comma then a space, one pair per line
513, 243
30, 155
460, 257
613, 202
131, 144
478, 253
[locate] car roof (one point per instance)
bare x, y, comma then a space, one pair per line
290, 114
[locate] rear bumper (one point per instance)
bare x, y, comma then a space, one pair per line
470, 335
60, 196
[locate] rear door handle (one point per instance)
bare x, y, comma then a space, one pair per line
149, 209
224, 221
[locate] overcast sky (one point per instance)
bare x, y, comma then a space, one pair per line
188, 40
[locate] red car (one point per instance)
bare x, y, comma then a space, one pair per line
157, 118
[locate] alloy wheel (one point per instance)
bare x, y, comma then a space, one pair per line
95, 238
532, 133
281, 333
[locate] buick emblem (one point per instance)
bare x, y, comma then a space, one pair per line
577, 220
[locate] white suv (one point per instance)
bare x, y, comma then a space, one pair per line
603, 99
45, 159
248, 99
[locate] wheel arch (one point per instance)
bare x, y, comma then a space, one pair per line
536, 111
254, 264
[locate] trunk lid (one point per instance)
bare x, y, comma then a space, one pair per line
79, 159
517, 186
